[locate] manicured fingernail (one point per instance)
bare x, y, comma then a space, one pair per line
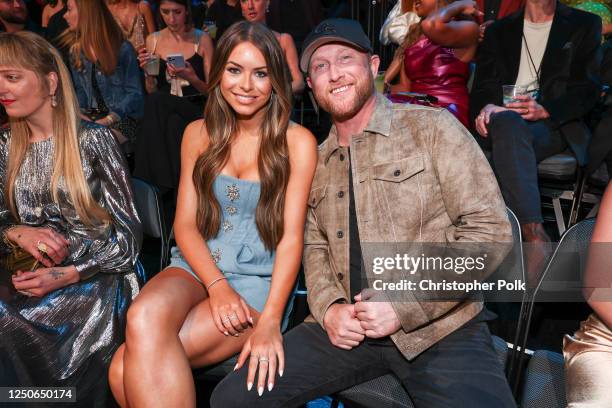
236, 367
270, 386
260, 391
249, 386
251, 320
226, 333
280, 372
236, 335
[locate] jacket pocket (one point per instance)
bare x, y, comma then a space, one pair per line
400, 170
400, 190
316, 195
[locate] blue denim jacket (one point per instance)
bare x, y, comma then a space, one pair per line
122, 91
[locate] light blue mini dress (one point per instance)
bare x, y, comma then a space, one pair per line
237, 249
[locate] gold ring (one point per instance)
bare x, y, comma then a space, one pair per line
42, 247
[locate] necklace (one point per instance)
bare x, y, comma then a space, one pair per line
536, 91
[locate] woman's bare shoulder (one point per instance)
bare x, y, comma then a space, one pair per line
300, 139
195, 138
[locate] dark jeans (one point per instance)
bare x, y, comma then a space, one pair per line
461, 370
517, 148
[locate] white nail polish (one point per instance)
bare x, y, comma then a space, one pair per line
249, 386
260, 391
280, 372
236, 367
270, 386
226, 333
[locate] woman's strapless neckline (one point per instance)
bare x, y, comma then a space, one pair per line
239, 179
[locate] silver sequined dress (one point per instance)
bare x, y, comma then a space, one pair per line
67, 337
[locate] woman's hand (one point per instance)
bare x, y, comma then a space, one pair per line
230, 312
38, 241
528, 108
187, 73
483, 119
265, 349
44, 280
143, 57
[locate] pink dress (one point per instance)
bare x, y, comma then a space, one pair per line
434, 70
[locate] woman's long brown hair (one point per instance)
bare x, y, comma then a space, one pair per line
221, 124
97, 36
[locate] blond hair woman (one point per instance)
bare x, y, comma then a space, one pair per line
65, 199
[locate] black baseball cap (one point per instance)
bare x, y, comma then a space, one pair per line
334, 30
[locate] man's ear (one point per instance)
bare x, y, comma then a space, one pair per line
374, 64
308, 81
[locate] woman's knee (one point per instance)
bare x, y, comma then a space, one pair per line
115, 371
147, 318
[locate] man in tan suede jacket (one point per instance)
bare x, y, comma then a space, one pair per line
386, 174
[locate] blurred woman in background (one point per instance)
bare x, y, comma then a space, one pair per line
135, 18
255, 12
104, 68
435, 55
176, 93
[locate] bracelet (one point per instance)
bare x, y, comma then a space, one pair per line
215, 281
6, 239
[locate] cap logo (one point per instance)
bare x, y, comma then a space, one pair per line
325, 28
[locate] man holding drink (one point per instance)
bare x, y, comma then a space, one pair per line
536, 78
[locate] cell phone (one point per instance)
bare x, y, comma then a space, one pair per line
177, 60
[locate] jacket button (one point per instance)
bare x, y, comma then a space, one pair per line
340, 194
341, 157
340, 234
396, 173
340, 275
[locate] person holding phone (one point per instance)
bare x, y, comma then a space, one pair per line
176, 92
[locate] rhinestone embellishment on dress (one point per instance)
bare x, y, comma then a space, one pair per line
232, 192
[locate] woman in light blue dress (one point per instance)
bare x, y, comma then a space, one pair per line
245, 177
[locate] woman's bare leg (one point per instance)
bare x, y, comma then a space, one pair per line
156, 372
202, 344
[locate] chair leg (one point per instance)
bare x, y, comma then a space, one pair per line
556, 201
577, 199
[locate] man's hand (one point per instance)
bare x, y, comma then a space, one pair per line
482, 120
528, 108
343, 328
377, 318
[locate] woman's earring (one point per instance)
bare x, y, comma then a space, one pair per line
53, 101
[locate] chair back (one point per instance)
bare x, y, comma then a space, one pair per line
149, 207
544, 381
